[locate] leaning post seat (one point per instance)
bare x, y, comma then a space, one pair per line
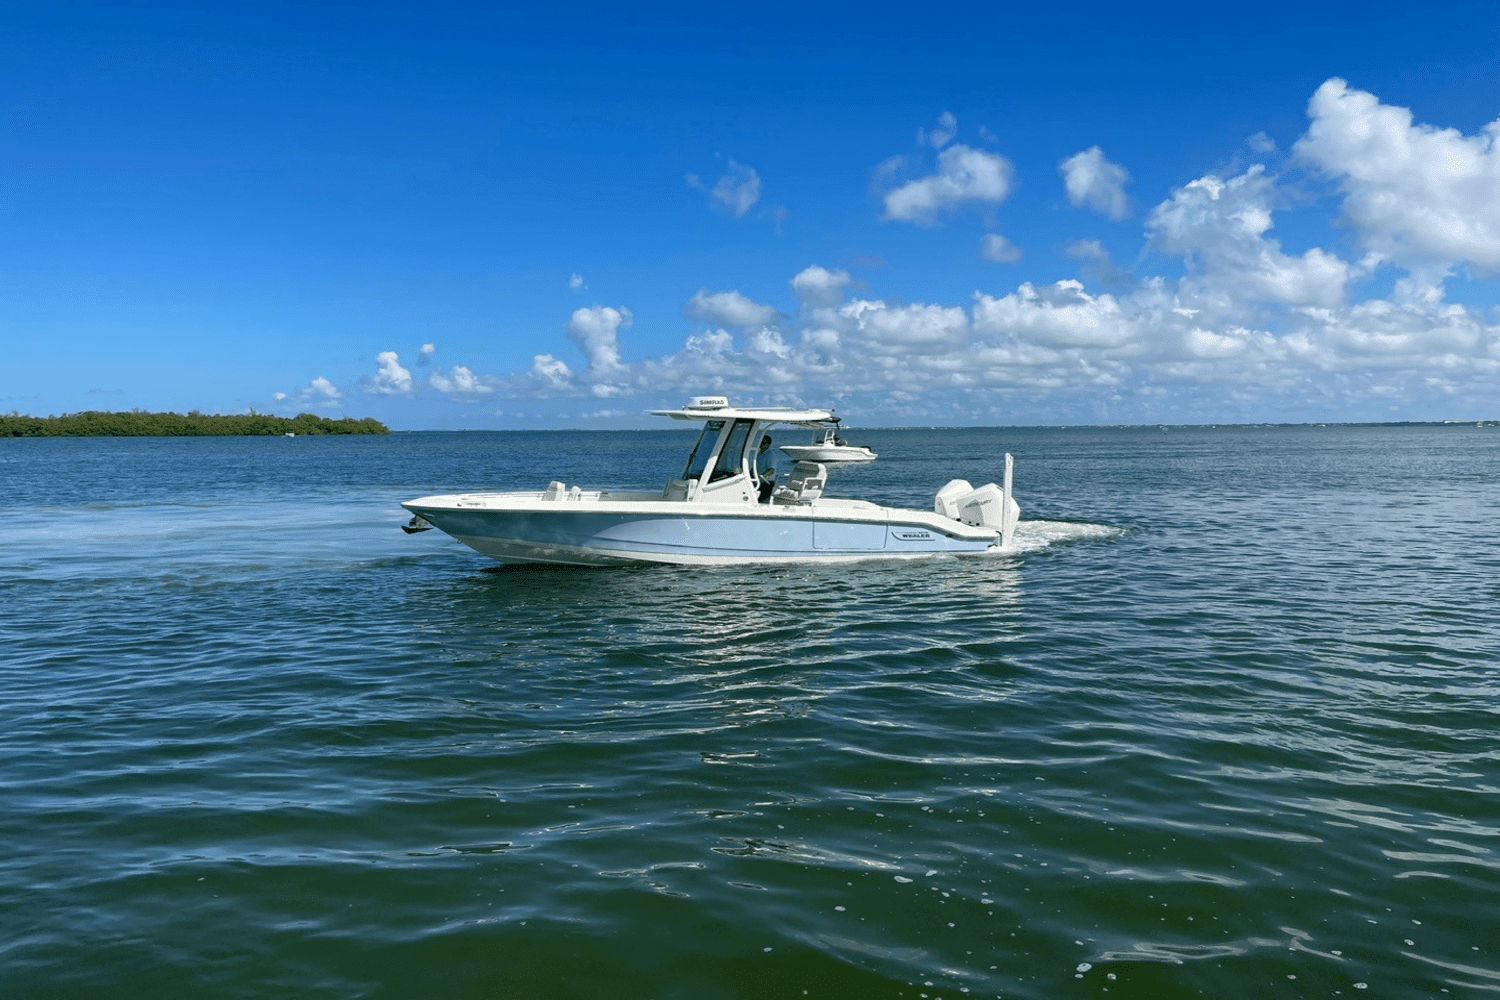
805, 483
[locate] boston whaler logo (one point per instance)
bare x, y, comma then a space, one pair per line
912, 535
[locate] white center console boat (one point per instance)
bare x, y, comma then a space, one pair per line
714, 512
827, 446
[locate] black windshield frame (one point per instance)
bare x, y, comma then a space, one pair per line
731, 460
697, 462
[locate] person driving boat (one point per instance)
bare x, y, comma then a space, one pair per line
765, 468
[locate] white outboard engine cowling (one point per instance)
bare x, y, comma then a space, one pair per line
949, 496
984, 507
989, 506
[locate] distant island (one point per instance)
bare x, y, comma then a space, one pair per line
139, 423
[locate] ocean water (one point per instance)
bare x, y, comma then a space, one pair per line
1227, 726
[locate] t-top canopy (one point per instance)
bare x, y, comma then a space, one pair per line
718, 408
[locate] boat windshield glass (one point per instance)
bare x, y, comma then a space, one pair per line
732, 454
698, 460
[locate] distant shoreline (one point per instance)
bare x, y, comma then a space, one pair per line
139, 423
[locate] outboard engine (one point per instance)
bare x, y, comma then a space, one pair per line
946, 503
989, 506
984, 507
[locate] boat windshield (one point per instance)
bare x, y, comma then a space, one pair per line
732, 454
698, 460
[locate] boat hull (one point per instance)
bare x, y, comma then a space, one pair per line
827, 453
523, 529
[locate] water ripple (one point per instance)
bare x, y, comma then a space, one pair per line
1215, 730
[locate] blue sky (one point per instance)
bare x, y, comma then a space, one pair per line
455, 215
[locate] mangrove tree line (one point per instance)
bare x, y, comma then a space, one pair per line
139, 423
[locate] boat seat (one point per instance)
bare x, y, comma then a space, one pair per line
805, 483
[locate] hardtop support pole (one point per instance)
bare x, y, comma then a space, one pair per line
1007, 519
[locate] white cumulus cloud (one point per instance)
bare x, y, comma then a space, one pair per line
1060, 315
712, 342
390, 379
318, 392
1423, 197
1233, 326
550, 371
939, 137
596, 333
998, 249
896, 329
736, 191
1093, 181
1220, 225
1087, 250
964, 176
460, 382
766, 341
727, 309
815, 285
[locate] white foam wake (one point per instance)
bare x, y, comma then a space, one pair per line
1034, 535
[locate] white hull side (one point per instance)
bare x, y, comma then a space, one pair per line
527, 553
520, 528
827, 453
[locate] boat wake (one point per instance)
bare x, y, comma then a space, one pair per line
1033, 536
